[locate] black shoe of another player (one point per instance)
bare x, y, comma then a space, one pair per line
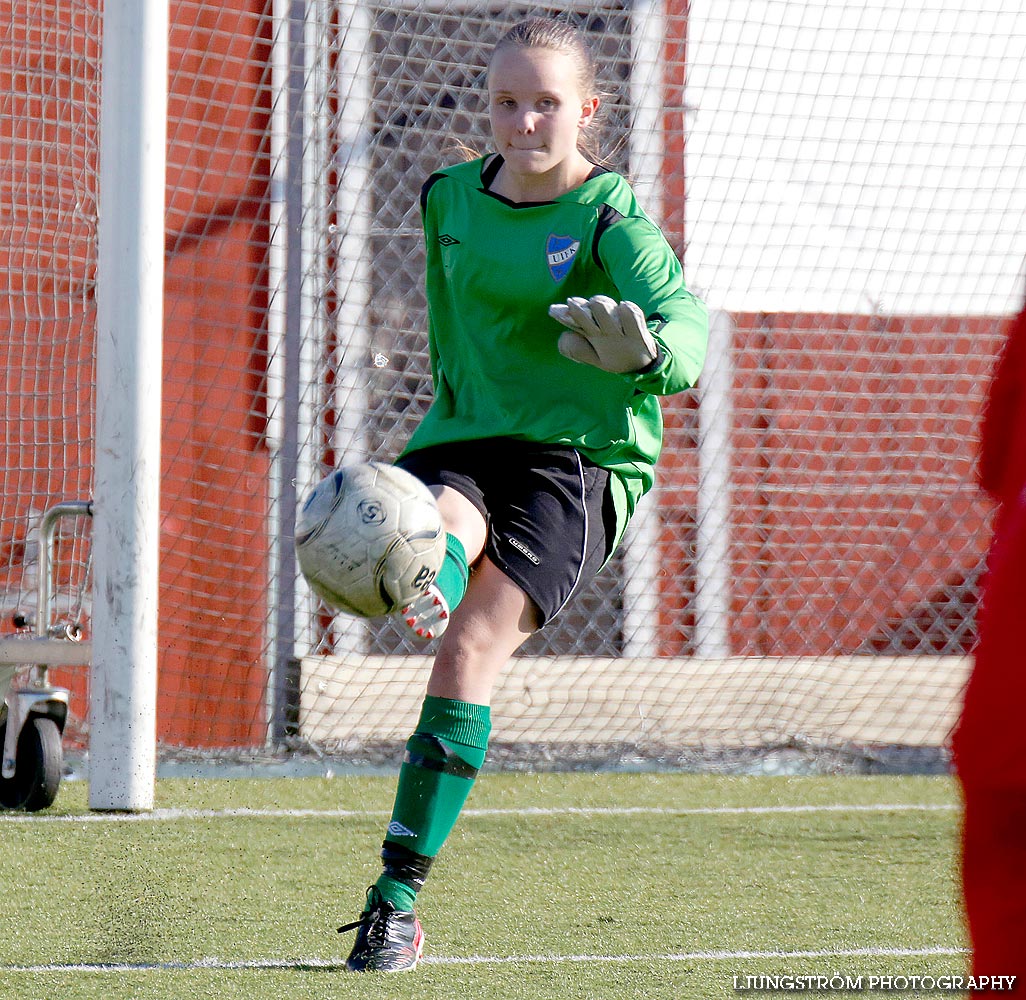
387, 939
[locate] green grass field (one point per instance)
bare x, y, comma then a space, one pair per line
596, 886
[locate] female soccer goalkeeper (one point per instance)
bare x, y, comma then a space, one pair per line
557, 316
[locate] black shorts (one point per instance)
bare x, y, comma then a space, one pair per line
549, 510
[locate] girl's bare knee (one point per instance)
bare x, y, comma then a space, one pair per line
462, 519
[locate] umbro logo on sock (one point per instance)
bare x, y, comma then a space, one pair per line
447, 241
396, 829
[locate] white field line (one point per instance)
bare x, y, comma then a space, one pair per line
172, 815
337, 964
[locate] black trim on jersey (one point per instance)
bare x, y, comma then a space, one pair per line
608, 216
425, 188
490, 170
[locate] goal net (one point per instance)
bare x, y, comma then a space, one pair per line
845, 186
49, 104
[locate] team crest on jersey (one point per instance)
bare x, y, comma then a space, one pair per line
560, 252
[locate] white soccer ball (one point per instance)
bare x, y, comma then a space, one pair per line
369, 539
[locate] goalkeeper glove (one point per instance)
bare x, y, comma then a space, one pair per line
603, 333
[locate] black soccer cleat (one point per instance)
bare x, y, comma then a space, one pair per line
388, 940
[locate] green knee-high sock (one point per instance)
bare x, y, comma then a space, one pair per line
454, 572
442, 759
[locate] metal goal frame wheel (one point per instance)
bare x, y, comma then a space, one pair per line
40, 762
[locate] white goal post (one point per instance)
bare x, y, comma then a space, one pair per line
126, 513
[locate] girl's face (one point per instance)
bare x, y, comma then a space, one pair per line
537, 111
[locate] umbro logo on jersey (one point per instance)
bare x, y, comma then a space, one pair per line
560, 252
397, 829
447, 241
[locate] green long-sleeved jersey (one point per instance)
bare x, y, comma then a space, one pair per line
493, 269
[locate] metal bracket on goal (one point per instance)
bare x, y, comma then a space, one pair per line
50, 646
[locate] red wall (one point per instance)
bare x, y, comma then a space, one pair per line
213, 581
852, 477
215, 466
